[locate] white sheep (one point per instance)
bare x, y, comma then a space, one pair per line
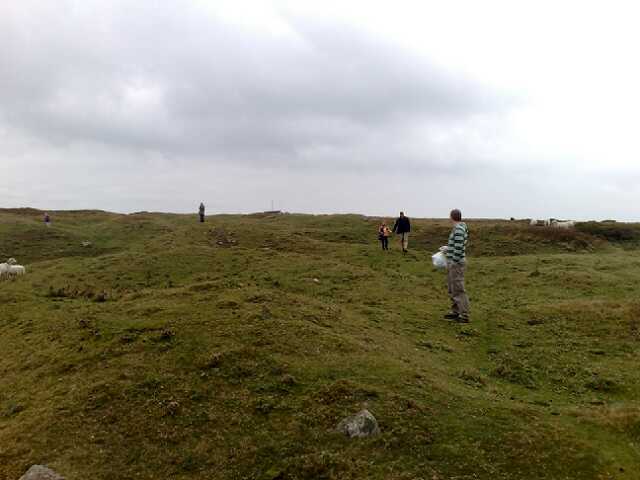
539, 223
11, 269
565, 225
16, 270
4, 270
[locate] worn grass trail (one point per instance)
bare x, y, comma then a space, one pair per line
230, 349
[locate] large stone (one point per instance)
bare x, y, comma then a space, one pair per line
362, 424
40, 472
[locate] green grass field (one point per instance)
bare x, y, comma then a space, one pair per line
231, 350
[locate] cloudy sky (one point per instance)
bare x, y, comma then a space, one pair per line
500, 108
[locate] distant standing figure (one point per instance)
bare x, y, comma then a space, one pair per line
402, 227
383, 235
201, 212
47, 220
456, 266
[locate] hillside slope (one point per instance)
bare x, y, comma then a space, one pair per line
231, 349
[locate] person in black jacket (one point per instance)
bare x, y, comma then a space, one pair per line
402, 227
201, 212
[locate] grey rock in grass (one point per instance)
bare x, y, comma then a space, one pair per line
40, 472
362, 424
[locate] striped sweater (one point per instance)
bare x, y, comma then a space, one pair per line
457, 243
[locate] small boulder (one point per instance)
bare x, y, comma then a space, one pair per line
362, 424
40, 472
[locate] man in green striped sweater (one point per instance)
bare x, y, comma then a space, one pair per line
456, 265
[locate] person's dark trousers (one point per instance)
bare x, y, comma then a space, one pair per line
385, 243
201, 218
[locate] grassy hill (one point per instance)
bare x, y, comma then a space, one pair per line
231, 349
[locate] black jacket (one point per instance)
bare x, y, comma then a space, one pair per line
402, 225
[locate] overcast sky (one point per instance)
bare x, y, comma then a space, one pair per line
500, 108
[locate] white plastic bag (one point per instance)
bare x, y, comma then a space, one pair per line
439, 260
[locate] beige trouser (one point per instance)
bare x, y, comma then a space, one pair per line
457, 293
404, 240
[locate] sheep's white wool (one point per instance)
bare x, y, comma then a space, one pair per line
539, 223
568, 224
4, 269
17, 270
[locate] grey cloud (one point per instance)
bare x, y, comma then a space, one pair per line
157, 105
180, 82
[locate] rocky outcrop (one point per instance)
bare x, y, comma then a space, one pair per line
40, 472
362, 424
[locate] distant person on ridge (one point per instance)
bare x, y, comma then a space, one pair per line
47, 220
456, 266
383, 235
201, 212
402, 227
